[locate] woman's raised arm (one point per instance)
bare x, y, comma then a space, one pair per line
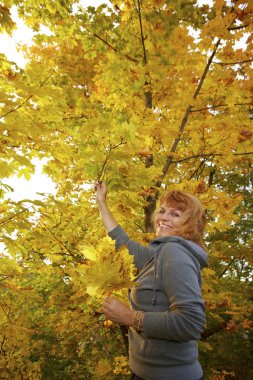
107, 217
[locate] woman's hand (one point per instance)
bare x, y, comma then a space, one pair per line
117, 311
101, 191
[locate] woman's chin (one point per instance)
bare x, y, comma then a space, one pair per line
163, 232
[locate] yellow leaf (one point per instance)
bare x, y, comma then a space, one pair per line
103, 367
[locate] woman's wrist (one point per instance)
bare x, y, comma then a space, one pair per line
138, 322
102, 206
101, 201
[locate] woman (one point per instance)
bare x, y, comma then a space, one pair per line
166, 314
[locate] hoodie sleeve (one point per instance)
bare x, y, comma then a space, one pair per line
141, 253
185, 318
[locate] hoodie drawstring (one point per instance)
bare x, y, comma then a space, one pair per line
154, 298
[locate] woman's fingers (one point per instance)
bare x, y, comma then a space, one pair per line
107, 302
109, 306
99, 185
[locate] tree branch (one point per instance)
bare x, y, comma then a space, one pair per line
198, 171
142, 35
2, 346
220, 105
211, 177
148, 93
13, 216
186, 116
5, 276
75, 117
188, 110
233, 63
238, 27
208, 155
242, 154
174, 146
209, 62
151, 201
26, 100
105, 42
18, 107
59, 241
113, 48
111, 148
196, 156
5, 312
209, 332
227, 267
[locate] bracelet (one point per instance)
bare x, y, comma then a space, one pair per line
138, 320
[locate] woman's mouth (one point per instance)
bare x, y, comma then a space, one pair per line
164, 226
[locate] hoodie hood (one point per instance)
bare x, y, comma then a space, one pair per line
196, 250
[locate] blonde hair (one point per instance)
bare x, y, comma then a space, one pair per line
194, 220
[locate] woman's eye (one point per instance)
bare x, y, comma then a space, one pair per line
161, 211
175, 214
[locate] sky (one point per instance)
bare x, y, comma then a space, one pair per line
23, 189
39, 183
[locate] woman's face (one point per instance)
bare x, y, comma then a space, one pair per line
167, 220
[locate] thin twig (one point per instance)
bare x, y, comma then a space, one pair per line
25, 101
238, 27
111, 148
208, 155
227, 267
219, 106
127, 56
16, 108
233, 63
242, 154
14, 216
59, 241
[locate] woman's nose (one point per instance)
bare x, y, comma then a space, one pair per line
166, 215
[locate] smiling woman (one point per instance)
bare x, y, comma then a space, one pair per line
166, 315
167, 220
180, 214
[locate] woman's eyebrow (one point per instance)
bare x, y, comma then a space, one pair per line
174, 209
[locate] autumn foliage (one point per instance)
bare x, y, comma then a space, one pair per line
145, 95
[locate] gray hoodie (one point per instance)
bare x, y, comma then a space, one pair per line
168, 290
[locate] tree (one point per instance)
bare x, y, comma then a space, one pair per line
128, 94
